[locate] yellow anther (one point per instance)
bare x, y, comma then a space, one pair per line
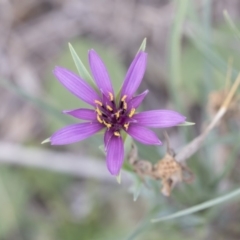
98, 111
124, 102
117, 134
111, 96
109, 108
118, 114
99, 119
126, 125
98, 102
108, 125
123, 98
132, 112
124, 105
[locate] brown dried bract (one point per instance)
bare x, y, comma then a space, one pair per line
167, 169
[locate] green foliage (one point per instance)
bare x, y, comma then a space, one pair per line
200, 207
13, 196
175, 50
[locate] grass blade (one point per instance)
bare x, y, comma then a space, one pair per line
199, 207
36, 101
175, 46
231, 24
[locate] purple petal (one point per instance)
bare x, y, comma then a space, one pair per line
115, 154
76, 85
107, 136
143, 135
134, 75
137, 100
82, 113
106, 100
159, 118
74, 133
100, 73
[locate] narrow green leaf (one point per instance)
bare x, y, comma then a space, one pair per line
83, 72
175, 47
127, 143
199, 207
137, 191
48, 108
208, 52
231, 24
208, 34
101, 147
186, 124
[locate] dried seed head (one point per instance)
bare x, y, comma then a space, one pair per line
169, 171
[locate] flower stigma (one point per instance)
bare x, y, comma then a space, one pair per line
114, 116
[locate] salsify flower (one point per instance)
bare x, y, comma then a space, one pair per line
108, 113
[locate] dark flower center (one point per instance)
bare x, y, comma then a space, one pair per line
113, 116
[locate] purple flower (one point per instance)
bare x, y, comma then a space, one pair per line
108, 114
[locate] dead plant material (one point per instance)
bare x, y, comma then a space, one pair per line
171, 169
167, 169
196, 143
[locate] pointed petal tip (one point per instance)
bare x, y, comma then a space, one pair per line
113, 170
159, 118
57, 69
143, 135
75, 133
156, 143
114, 173
46, 141
136, 101
82, 113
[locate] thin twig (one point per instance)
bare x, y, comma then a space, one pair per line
75, 165
194, 145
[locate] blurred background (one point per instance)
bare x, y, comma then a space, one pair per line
65, 192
